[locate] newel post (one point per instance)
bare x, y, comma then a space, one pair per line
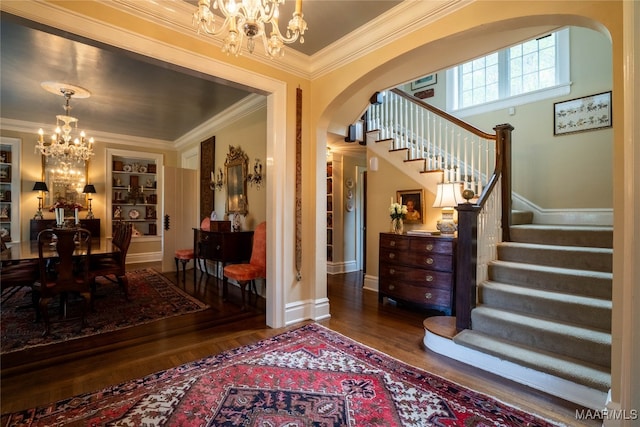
466, 261
503, 150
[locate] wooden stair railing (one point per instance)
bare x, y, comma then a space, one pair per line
443, 142
477, 229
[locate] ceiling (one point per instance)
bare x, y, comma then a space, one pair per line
134, 95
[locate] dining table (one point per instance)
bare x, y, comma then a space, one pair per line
28, 249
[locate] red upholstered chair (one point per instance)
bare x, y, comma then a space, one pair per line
185, 255
245, 274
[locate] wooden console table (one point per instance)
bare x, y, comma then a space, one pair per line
418, 269
37, 225
223, 246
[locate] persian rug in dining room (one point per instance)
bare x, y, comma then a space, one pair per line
310, 376
151, 297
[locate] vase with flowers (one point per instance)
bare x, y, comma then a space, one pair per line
397, 213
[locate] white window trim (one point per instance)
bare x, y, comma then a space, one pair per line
563, 61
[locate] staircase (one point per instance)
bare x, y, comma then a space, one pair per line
543, 311
547, 304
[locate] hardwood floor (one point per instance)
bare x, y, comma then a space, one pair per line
45, 375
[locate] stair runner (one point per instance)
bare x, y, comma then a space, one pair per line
547, 303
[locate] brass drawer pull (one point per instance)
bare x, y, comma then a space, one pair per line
392, 271
428, 295
428, 261
429, 247
392, 243
429, 278
392, 255
391, 287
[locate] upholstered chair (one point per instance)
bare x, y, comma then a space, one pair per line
246, 274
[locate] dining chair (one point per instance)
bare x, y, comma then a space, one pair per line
64, 273
246, 274
187, 254
16, 273
114, 264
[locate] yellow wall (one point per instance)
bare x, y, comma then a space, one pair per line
336, 99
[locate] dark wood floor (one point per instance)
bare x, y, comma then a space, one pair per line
45, 375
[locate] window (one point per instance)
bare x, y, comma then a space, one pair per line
538, 67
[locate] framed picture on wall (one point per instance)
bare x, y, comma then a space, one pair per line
582, 114
425, 81
414, 200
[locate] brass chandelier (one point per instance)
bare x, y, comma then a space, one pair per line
247, 18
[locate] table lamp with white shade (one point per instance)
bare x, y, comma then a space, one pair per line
448, 196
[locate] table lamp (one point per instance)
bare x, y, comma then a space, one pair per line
448, 196
89, 189
40, 187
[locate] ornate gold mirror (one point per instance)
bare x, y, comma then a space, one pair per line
65, 182
236, 174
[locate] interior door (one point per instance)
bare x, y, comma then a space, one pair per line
181, 207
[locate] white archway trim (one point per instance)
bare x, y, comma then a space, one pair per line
279, 265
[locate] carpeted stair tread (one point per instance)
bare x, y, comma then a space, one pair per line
576, 235
573, 370
575, 309
555, 337
519, 217
580, 258
595, 284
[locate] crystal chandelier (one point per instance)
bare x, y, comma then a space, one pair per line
248, 18
63, 146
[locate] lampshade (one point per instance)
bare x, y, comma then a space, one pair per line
40, 186
89, 188
448, 195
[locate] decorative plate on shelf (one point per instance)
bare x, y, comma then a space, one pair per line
134, 214
142, 169
126, 168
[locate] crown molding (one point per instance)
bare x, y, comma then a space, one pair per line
175, 15
397, 22
237, 111
115, 138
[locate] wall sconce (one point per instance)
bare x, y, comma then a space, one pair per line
256, 176
40, 187
217, 182
89, 189
448, 196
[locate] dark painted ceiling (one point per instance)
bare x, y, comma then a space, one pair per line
130, 94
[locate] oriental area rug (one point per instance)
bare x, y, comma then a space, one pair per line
151, 297
310, 376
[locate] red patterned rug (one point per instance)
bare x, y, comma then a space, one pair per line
151, 297
309, 376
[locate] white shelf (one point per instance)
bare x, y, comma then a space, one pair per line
145, 185
10, 189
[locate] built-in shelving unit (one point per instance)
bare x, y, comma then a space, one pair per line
10, 189
134, 191
329, 211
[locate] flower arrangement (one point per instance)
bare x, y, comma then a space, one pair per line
71, 206
397, 211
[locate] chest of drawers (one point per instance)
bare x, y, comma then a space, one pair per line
418, 269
